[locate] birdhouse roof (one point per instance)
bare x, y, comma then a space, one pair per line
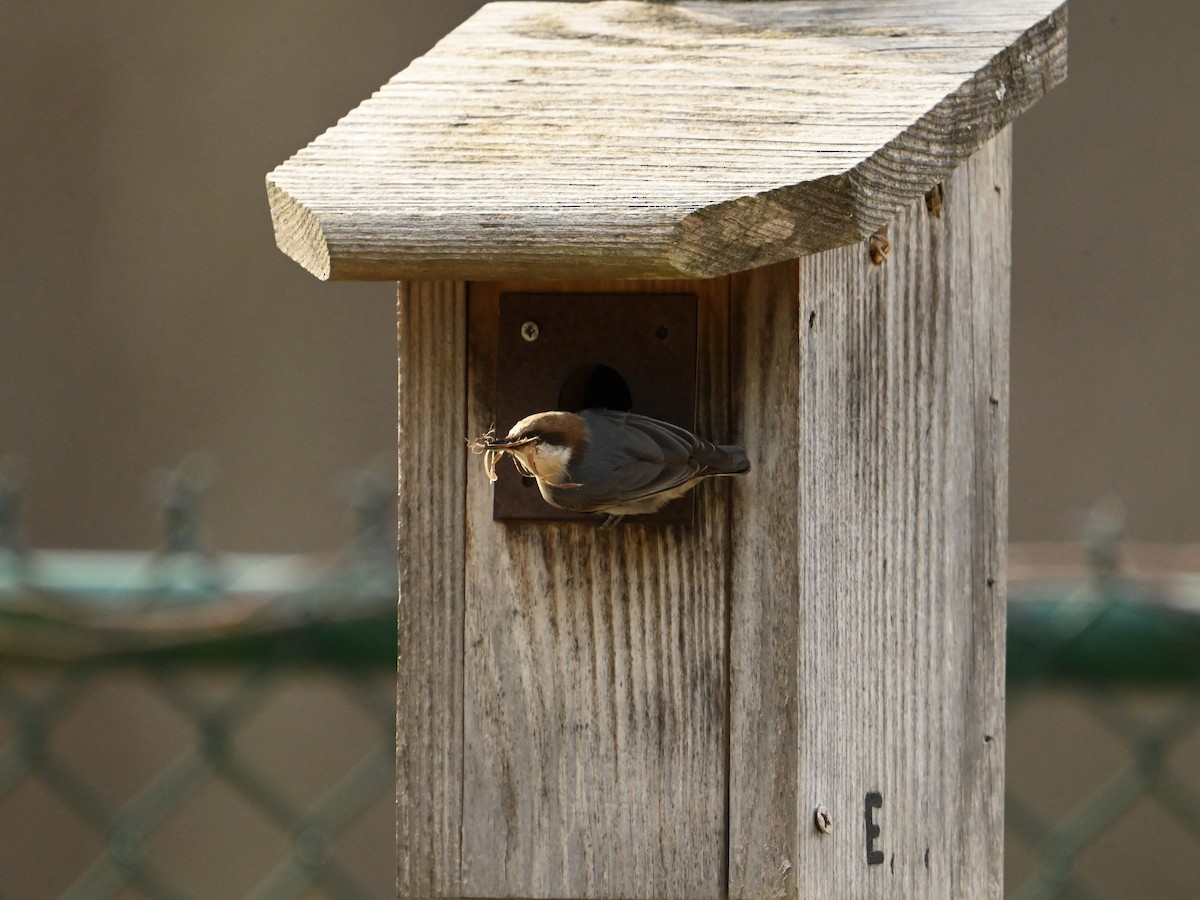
655, 140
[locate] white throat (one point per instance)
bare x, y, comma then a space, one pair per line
550, 463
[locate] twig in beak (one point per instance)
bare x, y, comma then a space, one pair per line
494, 448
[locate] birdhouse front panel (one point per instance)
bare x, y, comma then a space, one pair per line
595, 665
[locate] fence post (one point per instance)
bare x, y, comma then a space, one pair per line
797, 689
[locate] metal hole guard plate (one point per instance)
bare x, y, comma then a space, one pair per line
574, 330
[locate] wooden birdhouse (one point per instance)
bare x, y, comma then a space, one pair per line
779, 224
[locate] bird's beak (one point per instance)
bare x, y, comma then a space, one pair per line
509, 443
494, 448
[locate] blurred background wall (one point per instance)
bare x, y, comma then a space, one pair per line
145, 312
1106, 308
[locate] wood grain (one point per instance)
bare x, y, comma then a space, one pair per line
902, 459
432, 329
596, 683
629, 139
656, 711
765, 606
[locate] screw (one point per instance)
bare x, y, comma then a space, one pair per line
878, 247
530, 331
933, 200
823, 820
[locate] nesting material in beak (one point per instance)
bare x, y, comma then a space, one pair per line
493, 448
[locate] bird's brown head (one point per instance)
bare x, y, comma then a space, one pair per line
542, 446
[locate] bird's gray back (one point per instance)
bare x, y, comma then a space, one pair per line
631, 456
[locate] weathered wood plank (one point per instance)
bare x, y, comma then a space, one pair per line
583, 727
902, 461
765, 607
595, 675
867, 607
432, 329
627, 139
985, 264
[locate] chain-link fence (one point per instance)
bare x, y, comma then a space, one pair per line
181, 725
1103, 797
218, 814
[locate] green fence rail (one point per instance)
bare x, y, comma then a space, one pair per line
1103, 639
124, 608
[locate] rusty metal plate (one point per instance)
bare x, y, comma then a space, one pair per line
576, 351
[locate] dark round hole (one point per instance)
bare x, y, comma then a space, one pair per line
592, 387
527, 481
661, 332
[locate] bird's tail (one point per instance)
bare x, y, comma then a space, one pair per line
729, 459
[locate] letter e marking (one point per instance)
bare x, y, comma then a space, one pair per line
874, 802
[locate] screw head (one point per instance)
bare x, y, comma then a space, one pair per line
878, 247
823, 820
530, 331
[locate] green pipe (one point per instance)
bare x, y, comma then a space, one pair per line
287, 610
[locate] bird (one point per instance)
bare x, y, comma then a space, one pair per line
609, 461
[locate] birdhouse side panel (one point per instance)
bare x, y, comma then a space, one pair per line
875, 694
903, 408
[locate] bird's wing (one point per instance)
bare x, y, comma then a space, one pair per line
648, 456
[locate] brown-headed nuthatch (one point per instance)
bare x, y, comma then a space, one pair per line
605, 461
